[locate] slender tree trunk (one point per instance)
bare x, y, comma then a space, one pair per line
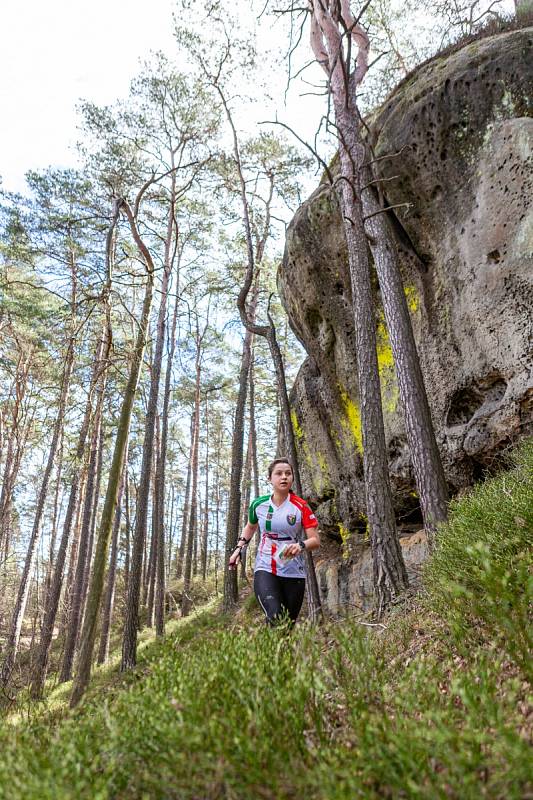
429, 473
127, 529
92, 528
205, 531
253, 429
84, 554
11, 648
217, 506
170, 540
161, 479
246, 491
108, 512
154, 537
55, 511
390, 575
187, 571
185, 519
73, 550
77, 477
107, 615
327, 41
115, 472
231, 593
10, 467
129, 646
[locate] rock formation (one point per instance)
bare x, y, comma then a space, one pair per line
462, 125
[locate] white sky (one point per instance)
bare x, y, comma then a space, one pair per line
53, 52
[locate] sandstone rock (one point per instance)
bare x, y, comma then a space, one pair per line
346, 585
466, 245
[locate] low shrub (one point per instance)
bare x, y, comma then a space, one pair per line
480, 577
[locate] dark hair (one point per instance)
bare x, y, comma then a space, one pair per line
279, 461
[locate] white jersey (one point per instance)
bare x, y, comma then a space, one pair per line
280, 526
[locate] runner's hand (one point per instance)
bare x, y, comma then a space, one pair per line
235, 558
292, 550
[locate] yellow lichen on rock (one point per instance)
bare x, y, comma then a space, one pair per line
413, 300
298, 432
352, 421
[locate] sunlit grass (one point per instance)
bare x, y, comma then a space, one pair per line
435, 706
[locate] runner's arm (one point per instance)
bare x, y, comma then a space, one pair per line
247, 534
312, 542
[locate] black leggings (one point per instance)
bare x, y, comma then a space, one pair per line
278, 596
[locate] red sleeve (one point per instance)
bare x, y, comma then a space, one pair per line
308, 517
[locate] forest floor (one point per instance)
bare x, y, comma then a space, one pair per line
436, 703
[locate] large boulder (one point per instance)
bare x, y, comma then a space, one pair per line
462, 125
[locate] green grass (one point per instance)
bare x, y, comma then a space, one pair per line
435, 706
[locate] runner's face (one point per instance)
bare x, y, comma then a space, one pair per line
282, 477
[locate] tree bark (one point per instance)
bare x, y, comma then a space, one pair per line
52, 603
187, 571
427, 465
107, 615
110, 502
231, 592
12, 644
161, 477
77, 597
108, 512
390, 575
131, 626
185, 518
205, 527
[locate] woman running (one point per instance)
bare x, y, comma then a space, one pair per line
283, 519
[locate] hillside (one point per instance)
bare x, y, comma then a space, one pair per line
433, 703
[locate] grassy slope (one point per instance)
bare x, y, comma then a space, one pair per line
434, 706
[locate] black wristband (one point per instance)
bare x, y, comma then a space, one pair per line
302, 545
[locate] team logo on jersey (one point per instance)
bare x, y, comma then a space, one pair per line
291, 519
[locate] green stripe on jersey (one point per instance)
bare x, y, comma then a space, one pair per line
252, 516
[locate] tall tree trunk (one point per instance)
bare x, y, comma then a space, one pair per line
231, 593
253, 429
10, 467
77, 475
55, 513
12, 644
84, 554
107, 614
161, 478
187, 571
115, 472
154, 537
205, 526
94, 516
390, 576
429, 473
74, 549
185, 518
127, 528
246, 491
171, 531
129, 645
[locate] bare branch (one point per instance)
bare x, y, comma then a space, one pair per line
387, 208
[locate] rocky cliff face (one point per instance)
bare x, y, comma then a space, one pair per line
463, 126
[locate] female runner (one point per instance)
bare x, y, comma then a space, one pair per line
283, 519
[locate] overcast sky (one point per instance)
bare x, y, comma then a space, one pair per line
55, 51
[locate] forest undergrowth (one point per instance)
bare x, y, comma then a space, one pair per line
435, 704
